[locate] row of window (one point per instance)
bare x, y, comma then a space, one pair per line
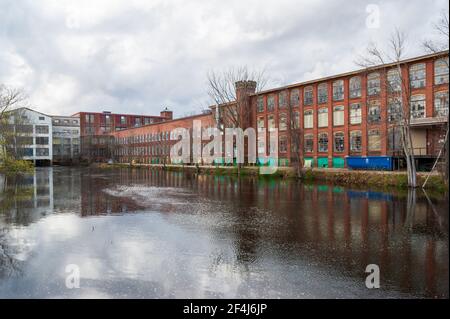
26, 151
151, 150
145, 138
417, 79
106, 120
355, 140
418, 110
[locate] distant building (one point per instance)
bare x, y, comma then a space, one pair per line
66, 139
29, 136
96, 131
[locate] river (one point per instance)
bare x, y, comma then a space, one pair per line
137, 233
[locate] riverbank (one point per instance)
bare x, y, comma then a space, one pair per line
342, 177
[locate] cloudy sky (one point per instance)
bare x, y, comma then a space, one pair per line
136, 56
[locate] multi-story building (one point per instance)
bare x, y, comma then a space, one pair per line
150, 144
66, 139
29, 135
96, 130
354, 114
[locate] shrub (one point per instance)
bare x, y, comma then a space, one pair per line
10, 166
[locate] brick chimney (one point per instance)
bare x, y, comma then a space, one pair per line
243, 91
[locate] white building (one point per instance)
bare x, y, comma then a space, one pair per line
31, 136
66, 139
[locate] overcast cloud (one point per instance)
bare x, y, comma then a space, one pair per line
137, 56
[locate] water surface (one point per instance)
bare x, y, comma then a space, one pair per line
153, 234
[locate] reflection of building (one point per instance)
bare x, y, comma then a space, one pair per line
66, 139
30, 135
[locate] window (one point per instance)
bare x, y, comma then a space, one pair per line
323, 117
42, 152
338, 115
338, 90
441, 104
417, 106
260, 104
394, 110
374, 138
322, 93
41, 129
355, 141
295, 97
282, 122
41, 118
441, 71
270, 103
394, 81
283, 144
90, 118
261, 123
42, 140
323, 142
374, 112
355, 87
394, 139
271, 122
355, 113
309, 143
308, 95
296, 120
308, 119
373, 84
123, 120
137, 121
282, 99
339, 142
417, 76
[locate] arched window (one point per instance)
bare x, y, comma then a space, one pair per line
373, 84
282, 99
308, 95
355, 87
374, 140
308, 119
338, 142
338, 115
283, 144
441, 71
417, 106
323, 142
270, 103
282, 122
394, 81
323, 117
441, 104
271, 122
309, 143
355, 113
374, 112
295, 97
355, 141
338, 90
322, 93
295, 120
260, 104
417, 75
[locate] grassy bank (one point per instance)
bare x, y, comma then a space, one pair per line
342, 177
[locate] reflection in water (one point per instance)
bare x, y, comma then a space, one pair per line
144, 233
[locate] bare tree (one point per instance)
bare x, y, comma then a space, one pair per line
14, 131
442, 30
232, 103
399, 93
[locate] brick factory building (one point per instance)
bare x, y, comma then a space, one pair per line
351, 115
96, 130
